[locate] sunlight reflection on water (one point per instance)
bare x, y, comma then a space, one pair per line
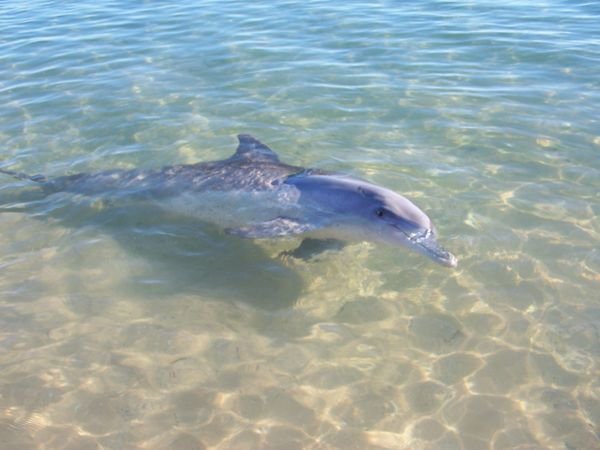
128, 328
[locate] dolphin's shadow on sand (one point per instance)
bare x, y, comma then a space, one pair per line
184, 254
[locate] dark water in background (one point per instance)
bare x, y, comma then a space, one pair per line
127, 328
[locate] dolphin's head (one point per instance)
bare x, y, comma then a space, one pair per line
366, 211
396, 220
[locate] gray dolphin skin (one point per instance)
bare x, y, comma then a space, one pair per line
254, 195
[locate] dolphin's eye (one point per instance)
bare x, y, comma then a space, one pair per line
379, 212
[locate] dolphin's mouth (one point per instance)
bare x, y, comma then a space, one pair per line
436, 252
424, 241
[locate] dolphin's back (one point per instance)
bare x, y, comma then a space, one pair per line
224, 175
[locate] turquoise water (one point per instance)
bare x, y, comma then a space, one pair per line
125, 328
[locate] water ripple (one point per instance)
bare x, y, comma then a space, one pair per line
129, 328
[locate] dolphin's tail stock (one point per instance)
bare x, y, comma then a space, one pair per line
24, 176
20, 201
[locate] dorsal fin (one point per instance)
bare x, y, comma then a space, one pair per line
252, 149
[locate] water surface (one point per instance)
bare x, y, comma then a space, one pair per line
124, 327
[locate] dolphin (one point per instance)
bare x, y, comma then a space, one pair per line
252, 194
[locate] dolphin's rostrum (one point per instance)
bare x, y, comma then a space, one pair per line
254, 195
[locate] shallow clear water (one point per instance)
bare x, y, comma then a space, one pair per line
129, 328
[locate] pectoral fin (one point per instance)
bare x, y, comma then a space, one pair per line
278, 227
